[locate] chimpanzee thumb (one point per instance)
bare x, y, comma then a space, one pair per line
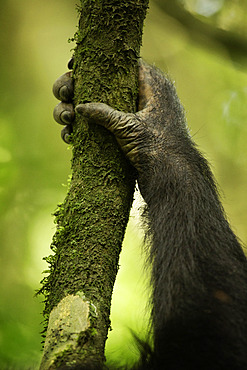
103, 115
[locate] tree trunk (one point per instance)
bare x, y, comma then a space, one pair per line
92, 220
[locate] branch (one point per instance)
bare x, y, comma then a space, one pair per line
92, 220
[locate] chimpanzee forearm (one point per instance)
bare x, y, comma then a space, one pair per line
199, 270
198, 267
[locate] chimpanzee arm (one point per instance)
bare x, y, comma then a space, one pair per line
199, 271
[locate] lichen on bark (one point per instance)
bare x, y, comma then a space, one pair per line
92, 219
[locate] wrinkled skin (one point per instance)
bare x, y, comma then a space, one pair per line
141, 136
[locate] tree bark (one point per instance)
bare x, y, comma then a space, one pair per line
92, 220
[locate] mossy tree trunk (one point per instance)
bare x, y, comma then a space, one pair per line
92, 220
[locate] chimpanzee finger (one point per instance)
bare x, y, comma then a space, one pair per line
63, 88
71, 63
64, 113
66, 132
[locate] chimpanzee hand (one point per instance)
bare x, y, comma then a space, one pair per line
63, 113
142, 136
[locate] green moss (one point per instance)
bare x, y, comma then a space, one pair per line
92, 220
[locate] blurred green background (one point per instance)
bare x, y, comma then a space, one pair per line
211, 80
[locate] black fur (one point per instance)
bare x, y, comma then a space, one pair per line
199, 270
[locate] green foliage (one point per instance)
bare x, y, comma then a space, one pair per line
34, 163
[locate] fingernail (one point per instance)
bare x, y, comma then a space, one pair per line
67, 116
64, 93
79, 109
70, 63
